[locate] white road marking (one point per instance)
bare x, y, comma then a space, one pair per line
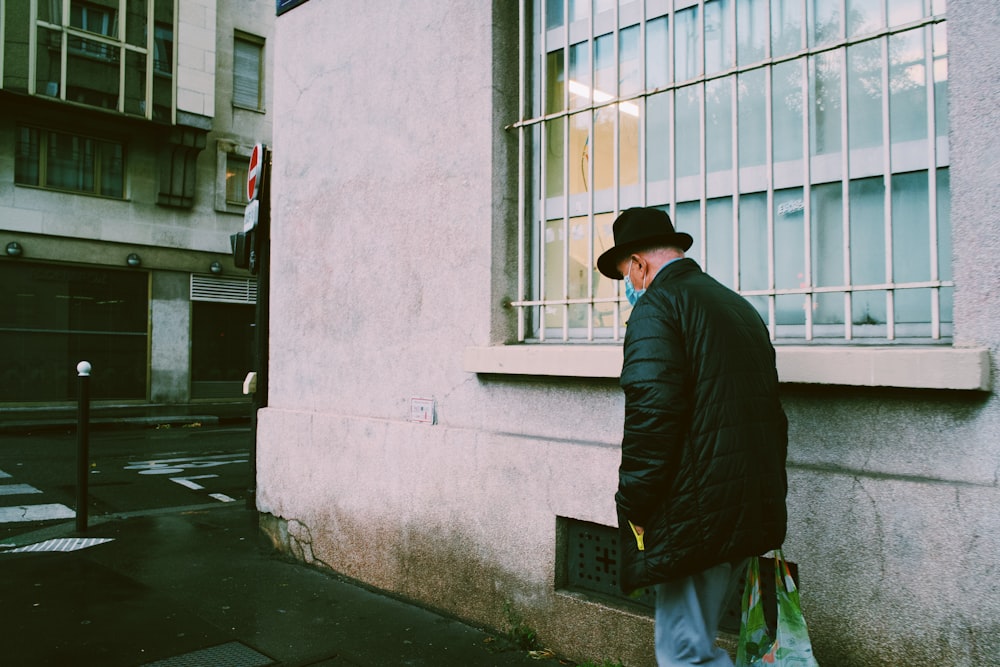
17, 489
186, 481
62, 544
3, 475
20, 513
223, 497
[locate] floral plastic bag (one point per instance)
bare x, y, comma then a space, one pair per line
789, 646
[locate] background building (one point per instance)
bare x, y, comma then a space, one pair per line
444, 418
125, 131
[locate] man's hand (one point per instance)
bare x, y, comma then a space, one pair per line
639, 530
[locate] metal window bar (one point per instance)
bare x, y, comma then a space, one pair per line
803, 55
887, 183
932, 202
522, 76
566, 122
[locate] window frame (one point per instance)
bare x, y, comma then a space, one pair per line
42, 160
72, 47
240, 37
533, 222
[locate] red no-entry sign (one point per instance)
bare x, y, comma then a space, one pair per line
254, 171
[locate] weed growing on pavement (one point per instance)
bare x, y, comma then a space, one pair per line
520, 633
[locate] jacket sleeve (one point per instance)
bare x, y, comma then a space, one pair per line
657, 409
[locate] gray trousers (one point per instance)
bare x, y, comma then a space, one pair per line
687, 616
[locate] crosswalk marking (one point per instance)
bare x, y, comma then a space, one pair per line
62, 544
186, 481
17, 489
45, 512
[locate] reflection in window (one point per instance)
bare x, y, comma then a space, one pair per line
82, 61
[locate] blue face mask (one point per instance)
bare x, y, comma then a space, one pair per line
631, 293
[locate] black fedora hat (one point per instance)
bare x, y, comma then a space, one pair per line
638, 228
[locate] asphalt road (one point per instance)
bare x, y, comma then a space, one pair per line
129, 470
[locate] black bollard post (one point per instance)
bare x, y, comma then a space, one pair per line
82, 444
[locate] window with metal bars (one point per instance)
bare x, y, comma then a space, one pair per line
802, 143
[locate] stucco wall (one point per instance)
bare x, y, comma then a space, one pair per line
391, 252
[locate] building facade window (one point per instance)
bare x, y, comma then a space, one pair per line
248, 72
52, 317
94, 55
63, 161
237, 167
806, 154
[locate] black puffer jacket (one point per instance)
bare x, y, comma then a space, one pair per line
703, 453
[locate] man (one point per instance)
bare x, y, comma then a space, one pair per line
702, 482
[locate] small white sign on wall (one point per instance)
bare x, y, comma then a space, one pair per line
422, 410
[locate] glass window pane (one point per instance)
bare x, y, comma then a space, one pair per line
27, 156
112, 169
69, 162
790, 309
753, 242
629, 79
752, 118
867, 197
579, 76
687, 45
553, 14
719, 124
789, 239
54, 316
687, 218
719, 42
907, 86
825, 25
92, 73
554, 155
657, 53
905, 11
552, 288
579, 151
824, 89
48, 68
236, 179
944, 224
786, 28
911, 239
864, 95
604, 69
135, 83
864, 17
604, 148
687, 133
96, 16
941, 79
135, 30
628, 153
828, 237
719, 244
787, 106
658, 137
751, 31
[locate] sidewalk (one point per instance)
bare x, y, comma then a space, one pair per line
201, 587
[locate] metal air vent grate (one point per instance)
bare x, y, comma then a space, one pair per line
223, 290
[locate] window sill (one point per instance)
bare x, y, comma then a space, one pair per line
896, 366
